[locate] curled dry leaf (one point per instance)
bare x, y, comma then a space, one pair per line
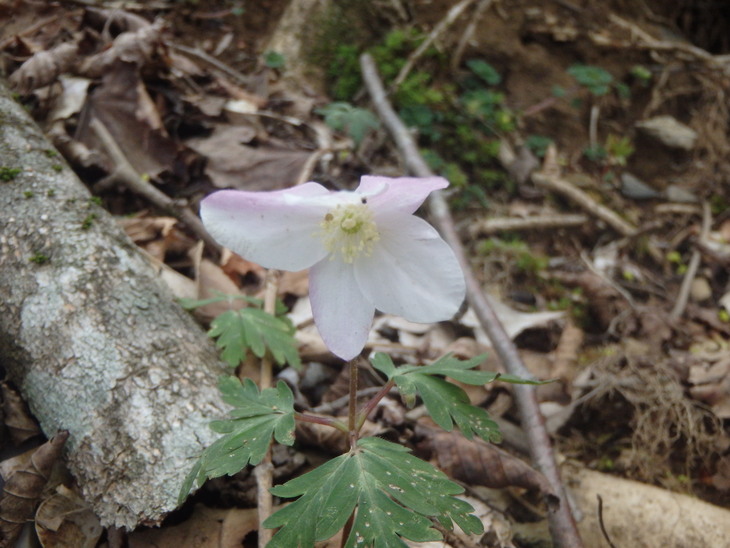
136, 48
25, 478
476, 462
64, 519
44, 67
21, 425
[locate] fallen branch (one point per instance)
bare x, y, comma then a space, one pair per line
562, 523
94, 340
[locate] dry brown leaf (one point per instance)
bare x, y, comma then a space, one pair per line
206, 528
17, 418
234, 164
44, 68
65, 519
134, 48
25, 478
476, 462
121, 103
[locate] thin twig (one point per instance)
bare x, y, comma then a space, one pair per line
126, 174
474, 20
437, 31
601, 524
562, 523
694, 264
194, 52
576, 195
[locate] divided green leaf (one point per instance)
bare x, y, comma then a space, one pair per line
354, 121
238, 331
392, 493
445, 402
255, 418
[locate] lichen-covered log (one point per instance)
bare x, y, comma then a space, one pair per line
95, 342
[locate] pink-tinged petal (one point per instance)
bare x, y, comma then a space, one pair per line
274, 229
412, 272
342, 314
386, 195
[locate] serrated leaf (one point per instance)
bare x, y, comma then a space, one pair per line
355, 121
391, 492
445, 402
255, 418
238, 331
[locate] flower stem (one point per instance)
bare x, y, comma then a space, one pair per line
352, 408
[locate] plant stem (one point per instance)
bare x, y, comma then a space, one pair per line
370, 405
327, 421
352, 407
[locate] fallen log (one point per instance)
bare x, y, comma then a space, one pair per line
95, 342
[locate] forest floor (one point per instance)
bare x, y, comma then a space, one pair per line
619, 290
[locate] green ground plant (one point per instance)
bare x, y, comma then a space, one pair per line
386, 494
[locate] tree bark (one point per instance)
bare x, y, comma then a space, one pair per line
93, 339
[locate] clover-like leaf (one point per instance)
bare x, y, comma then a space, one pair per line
238, 331
255, 418
392, 493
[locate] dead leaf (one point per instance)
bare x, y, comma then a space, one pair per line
65, 519
21, 426
476, 462
25, 478
44, 68
232, 163
711, 385
206, 528
514, 321
123, 105
134, 48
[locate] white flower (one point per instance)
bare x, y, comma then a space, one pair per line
365, 250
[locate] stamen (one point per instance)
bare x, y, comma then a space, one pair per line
349, 230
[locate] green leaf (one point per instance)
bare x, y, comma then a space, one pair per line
255, 418
238, 331
596, 79
354, 121
485, 71
391, 492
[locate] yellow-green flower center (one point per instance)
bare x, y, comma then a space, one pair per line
349, 230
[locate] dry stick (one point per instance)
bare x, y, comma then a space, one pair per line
576, 195
536, 222
444, 24
562, 524
264, 470
474, 20
125, 173
694, 264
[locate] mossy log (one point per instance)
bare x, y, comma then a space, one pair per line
93, 339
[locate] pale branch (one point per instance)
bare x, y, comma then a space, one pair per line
561, 186
484, 227
93, 338
562, 523
451, 16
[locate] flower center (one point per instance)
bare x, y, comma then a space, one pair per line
349, 230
